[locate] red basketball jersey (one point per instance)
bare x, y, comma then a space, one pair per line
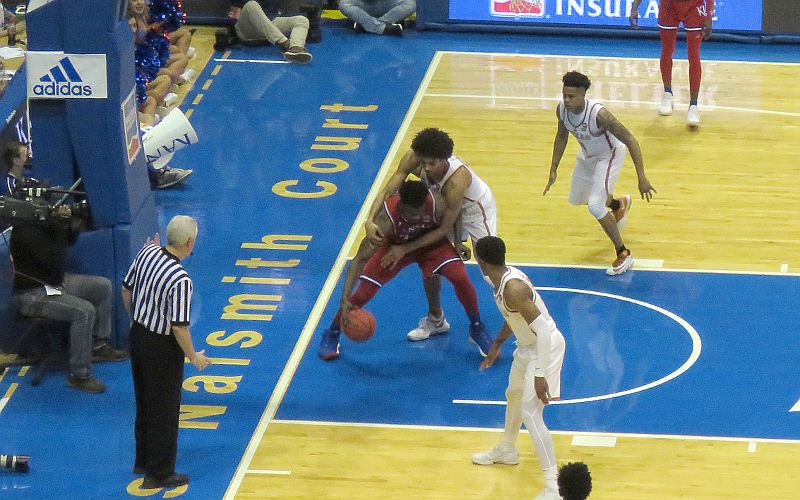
406, 230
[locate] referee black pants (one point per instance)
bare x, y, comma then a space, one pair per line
157, 364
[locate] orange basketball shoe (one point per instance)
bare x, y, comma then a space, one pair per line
623, 262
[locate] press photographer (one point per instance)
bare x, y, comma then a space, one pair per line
43, 228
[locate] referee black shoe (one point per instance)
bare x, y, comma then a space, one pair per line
173, 481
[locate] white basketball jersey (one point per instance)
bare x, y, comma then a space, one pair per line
583, 126
477, 193
515, 320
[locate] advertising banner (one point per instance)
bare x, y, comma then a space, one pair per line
55, 75
730, 15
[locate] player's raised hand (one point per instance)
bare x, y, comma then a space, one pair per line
394, 255
550, 181
646, 189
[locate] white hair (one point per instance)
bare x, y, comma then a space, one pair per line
180, 229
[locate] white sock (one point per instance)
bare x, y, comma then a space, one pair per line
550, 478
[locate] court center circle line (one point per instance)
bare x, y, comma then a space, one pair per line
697, 344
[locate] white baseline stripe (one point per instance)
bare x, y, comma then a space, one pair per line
616, 101
273, 472
327, 290
678, 437
258, 61
613, 58
601, 441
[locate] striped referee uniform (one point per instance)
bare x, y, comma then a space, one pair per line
161, 293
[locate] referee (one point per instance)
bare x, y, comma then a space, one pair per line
157, 292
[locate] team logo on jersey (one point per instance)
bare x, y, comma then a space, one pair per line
517, 8
55, 75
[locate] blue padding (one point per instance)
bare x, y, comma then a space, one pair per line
128, 239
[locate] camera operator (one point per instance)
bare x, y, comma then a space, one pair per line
15, 156
42, 288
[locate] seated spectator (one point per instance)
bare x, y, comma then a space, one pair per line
43, 289
381, 17
9, 26
269, 21
574, 481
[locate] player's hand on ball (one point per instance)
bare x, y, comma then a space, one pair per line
394, 255
646, 189
550, 182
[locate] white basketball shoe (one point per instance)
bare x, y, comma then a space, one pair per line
496, 455
667, 103
693, 116
428, 327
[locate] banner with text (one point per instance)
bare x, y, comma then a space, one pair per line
731, 15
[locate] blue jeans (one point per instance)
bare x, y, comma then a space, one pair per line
374, 15
85, 303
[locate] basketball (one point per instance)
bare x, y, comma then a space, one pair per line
359, 325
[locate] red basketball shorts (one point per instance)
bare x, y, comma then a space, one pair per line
430, 259
692, 13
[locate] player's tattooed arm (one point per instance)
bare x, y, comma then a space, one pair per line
608, 122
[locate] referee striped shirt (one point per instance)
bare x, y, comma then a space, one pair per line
161, 290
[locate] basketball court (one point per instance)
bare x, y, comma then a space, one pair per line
678, 379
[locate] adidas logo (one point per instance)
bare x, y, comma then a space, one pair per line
62, 80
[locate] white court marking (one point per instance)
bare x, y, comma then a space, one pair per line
697, 347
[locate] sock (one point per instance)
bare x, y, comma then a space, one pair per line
550, 479
693, 41
668, 38
693, 102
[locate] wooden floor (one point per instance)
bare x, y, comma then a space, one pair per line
344, 462
720, 205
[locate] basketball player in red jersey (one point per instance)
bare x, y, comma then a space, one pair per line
407, 215
696, 16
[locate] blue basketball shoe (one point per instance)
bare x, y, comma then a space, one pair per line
478, 335
329, 345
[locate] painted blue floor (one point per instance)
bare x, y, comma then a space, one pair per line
739, 385
257, 124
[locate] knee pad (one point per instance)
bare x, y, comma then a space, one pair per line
597, 207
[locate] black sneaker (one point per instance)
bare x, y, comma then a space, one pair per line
393, 29
173, 481
168, 178
105, 352
358, 28
89, 384
222, 40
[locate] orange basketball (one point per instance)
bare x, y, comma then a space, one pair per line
359, 325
